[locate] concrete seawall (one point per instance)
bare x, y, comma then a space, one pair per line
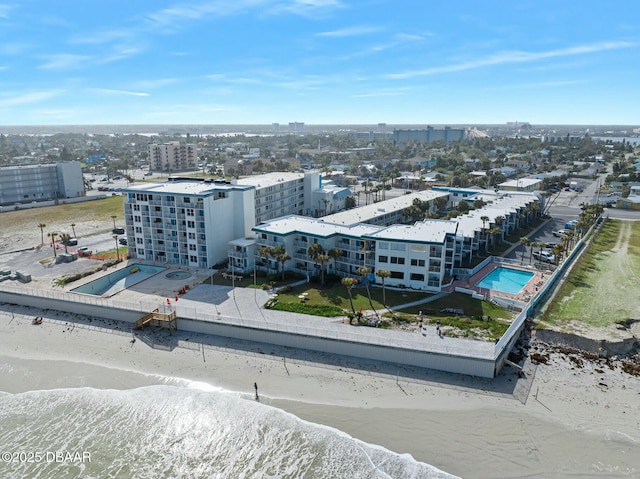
466, 363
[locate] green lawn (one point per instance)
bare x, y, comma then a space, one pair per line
337, 295
604, 286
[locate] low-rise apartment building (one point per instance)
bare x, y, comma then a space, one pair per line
422, 255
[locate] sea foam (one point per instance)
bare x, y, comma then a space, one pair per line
164, 431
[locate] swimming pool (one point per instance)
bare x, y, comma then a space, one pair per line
507, 280
117, 281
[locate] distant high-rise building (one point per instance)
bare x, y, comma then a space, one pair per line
429, 134
172, 156
296, 127
275, 127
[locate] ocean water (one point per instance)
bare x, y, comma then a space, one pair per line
178, 431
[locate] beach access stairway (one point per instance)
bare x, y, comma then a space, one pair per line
156, 318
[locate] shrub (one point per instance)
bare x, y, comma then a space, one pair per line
326, 310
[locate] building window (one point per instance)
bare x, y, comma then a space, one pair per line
383, 245
417, 277
396, 274
397, 260
417, 262
383, 259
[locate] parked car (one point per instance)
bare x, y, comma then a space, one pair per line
70, 242
544, 256
560, 233
148, 173
117, 231
123, 241
550, 244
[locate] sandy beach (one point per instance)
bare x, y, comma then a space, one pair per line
561, 420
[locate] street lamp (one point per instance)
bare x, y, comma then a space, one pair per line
115, 237
113, 217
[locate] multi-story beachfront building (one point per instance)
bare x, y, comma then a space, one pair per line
28, 183
172, 156
422, 255
186, 222
191, 221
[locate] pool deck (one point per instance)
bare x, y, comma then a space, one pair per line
527, 292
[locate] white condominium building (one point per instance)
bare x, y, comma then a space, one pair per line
186, 222
172, 156
191, 221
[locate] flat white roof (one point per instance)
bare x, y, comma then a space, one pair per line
313, 226
185, 187
428, 231
502, 204
269, 179
520, 183
366, 213
243, 241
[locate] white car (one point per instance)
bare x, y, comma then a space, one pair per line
544, 256
560, 233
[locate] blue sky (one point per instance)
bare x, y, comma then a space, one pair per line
319, 62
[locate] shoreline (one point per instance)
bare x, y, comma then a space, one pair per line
455, 423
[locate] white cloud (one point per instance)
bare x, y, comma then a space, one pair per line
118, 92
64, 61
306, 8
382, 92
349, 32
4, 10
120, 53
26, 98
107, 36
155, 83
512, 57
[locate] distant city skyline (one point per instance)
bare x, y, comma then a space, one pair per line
319, 62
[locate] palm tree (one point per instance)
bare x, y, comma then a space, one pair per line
265, 252
533, 245
525, 242
65, 237
73, 228
42, 226
53, 235
494, 232
382, 274
558, 253
317, 254
334, 254
499, 221
281, 256
348, 283
115, 237
363, 272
